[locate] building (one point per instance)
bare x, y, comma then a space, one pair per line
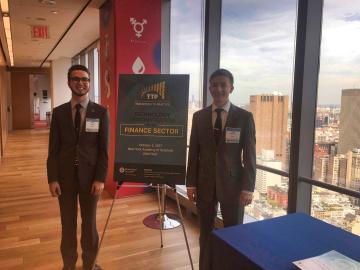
328, 147
278, 196
349, 137
332, 176
271, 118
342, 170
265, 179
320, 213
355, 169
321, 167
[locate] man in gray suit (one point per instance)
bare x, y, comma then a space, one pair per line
221, 162
77, 166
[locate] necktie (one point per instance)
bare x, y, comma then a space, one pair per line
77, 120
218, 125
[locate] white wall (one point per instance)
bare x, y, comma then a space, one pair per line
60, 90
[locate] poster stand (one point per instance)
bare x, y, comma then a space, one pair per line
170, 221
161, 192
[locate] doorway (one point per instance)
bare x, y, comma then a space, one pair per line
40, 100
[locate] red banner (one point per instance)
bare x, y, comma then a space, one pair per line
130, 43
138, 28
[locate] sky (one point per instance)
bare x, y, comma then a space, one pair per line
258, 46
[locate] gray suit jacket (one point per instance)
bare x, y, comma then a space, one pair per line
92, 148
228, 168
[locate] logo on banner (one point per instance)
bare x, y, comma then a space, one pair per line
138, 26
138, 66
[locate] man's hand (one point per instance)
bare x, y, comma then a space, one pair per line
191, 193
245, 198
97, 188
54, 188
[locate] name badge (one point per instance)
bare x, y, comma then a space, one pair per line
232, 135
92, 125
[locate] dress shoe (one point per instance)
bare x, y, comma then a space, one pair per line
96, 267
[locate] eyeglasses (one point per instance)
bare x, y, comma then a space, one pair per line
78, 79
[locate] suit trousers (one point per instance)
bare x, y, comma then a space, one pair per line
232, 214
68, 201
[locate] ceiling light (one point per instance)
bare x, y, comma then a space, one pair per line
54, 12
4, 6
48, 2
6, 20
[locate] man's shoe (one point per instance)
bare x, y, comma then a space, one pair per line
96, 267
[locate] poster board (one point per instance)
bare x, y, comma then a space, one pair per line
151, 132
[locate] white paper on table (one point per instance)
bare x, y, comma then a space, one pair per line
331, 260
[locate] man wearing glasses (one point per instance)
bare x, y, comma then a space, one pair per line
77, 166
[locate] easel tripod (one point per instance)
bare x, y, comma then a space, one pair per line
161, 192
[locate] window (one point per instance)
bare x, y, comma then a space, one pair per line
337, 124
337, 209
186, 47
257, 46
96, 76
186, 50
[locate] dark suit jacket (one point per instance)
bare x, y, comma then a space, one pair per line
92, 148
228, 168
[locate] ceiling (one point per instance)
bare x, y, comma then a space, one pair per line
57, 15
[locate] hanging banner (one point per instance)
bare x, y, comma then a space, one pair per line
151, 129
130, 43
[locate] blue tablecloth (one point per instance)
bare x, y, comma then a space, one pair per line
274, 244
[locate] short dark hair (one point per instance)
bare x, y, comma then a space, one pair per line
222, 72
77, 67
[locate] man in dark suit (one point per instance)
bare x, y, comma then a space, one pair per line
77, 166
221, 162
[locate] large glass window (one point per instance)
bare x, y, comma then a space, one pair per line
337, 126
337, 209
270, 196
257, 45
186, 49
96, 76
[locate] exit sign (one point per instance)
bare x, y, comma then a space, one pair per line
39, 31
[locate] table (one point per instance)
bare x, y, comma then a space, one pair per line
275, 243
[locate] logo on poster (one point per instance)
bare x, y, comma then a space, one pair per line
138, 26
153, 92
